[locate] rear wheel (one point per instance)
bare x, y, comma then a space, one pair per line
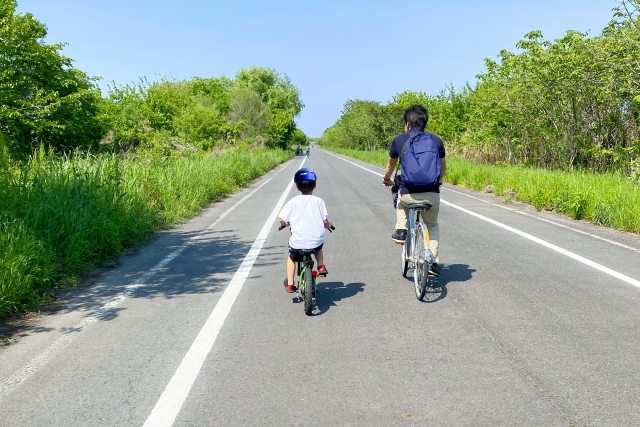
404, 261
421, 270
308, 292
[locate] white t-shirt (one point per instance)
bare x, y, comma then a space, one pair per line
306, 214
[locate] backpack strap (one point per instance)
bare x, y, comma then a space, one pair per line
406, 144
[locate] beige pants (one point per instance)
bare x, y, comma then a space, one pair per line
430, 217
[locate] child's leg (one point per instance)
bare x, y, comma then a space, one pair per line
320, 257
291, 270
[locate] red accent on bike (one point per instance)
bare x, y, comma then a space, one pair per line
314, 273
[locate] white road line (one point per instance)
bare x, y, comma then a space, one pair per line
174, 395
354, 164
38, 362
593, 264
595, 236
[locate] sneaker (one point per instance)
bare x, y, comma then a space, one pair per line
289, 288
322, 270
399, 236
434, 269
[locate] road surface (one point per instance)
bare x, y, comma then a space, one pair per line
535, 322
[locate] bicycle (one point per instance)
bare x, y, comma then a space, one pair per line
416, 254
307, 287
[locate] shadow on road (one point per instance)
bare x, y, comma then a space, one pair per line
205, 266
437, 289
331, 292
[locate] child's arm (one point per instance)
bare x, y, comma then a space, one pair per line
327, 224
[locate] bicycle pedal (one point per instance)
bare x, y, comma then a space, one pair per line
431, 276
322, 275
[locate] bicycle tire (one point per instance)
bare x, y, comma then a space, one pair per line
421, 264
404, 261
308, 292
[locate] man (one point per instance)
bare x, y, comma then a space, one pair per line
416, 118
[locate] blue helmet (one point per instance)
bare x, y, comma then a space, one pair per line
304, 174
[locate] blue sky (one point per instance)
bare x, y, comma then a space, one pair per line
332, 50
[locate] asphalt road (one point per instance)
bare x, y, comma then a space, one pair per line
534, 323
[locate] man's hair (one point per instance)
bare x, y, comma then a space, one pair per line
306, 185
416, 115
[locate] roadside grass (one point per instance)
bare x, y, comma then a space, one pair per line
605, 199
61, 217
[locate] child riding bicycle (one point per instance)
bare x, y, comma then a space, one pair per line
307, 216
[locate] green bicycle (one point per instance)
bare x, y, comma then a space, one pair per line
307, 287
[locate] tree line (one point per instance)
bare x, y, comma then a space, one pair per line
45, 101
571, 103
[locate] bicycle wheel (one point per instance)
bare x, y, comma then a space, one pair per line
308, 292
404, 261
421, 265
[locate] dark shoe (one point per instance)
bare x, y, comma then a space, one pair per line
399, 236
322, 270
289, 288
434, 269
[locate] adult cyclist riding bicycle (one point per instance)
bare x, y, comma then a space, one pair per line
422, 157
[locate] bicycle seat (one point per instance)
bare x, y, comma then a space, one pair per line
306, 251
423, 206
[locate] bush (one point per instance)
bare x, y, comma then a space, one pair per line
61, 216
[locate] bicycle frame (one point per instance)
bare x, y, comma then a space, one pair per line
307, 262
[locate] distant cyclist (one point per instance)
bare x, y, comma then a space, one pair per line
308, 150
422, 157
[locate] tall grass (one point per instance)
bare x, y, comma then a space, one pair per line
60, 217
605, 199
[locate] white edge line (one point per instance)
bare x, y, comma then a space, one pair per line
8, 385
168, 406
595, 236
576, 257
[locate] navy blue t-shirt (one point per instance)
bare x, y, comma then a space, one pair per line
396, 148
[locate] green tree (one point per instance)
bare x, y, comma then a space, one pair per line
44, 99
283, 98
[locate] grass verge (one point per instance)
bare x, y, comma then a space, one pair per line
60, 217
605, 199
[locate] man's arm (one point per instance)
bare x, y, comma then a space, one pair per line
391, 165
327, 223
443, 169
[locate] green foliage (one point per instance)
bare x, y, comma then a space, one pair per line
169, 118
44, 99
60, 217
572, 103
300, 138
281, 96
250, 112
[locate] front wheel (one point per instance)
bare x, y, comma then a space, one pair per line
308, 292
421, 264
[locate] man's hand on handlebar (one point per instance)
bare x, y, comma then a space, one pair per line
388, 182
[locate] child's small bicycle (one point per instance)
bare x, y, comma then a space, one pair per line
307, 288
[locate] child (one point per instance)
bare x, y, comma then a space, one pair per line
307, 216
